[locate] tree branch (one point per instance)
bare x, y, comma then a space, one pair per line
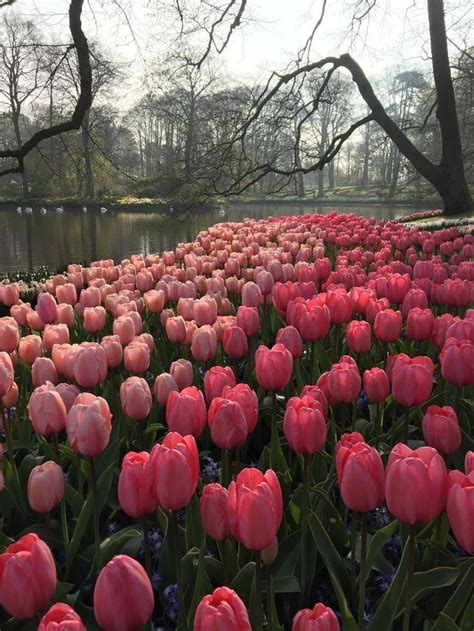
83, 103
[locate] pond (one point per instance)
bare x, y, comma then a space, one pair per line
28, 241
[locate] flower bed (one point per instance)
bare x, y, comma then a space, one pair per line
267, 428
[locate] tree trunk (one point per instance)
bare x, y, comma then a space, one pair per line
331, 175
86, 145
24, 177
320, 183
365, 169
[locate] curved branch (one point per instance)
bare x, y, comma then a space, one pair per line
83, 103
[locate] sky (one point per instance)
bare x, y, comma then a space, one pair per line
137, 33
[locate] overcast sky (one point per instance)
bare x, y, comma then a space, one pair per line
394, 35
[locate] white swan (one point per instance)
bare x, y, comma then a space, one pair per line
221, 212
103, 210
43, 211
59, 209
84, 209
18, 210
28, 210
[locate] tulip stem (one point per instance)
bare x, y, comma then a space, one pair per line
274, 444
9, 436
363, 569
457, 398
406, 425
57, 455
411, 567
174, 531
146, 545
304, 523
79, 473
353, 553
95, 501
49, 530
378, 422
258, 592
64, 529
225, 468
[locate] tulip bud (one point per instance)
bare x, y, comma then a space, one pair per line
123, 595
135, 398
186, 412
320, 618
441, 428
61, 617
29, 563
220, 610
45, 487
214, 515
274, 367
134, 492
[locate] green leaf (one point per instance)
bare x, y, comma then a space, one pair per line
330, 555
202, 585
378, 540
445, 623
425, 582
103, 486
114, 544
272, 614
459, 598
288, 553
468, 617
242, 583
347, 617
194, 530
387, 607
286, 585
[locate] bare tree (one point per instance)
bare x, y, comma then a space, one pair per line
447, 176
82, 103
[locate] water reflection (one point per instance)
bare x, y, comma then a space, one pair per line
29, 241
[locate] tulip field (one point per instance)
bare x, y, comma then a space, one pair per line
268, 428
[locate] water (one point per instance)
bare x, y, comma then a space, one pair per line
29, 241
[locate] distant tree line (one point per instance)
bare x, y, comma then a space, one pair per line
174, 142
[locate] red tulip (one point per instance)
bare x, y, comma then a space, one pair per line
304, 425
291, 339
136, 357
376, 385
248, 320
204, 344
186, 412
361, 476
134, 492
10, 399
457, 361
30, 347
412, 380
460, 508
27, 565
45, 487
215, 380
182, 372
274, 367
124, 328
68, 393
173, 471
46, 410
441, 429
94, 319
9, 334
214, 514
234, 342
113, 350
205, 311
248, 401
416, 484
61, 617
6, 373
255, 508
221, 610
164, 385
123, 595
358, 336
88, 425
135, 398
227, 423
314, 321
43, 371
319, 618
397, 287
469, 462
344, 382
388, 325
420, 324
90, 366
47, 308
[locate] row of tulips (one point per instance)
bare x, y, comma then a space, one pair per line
238, 433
